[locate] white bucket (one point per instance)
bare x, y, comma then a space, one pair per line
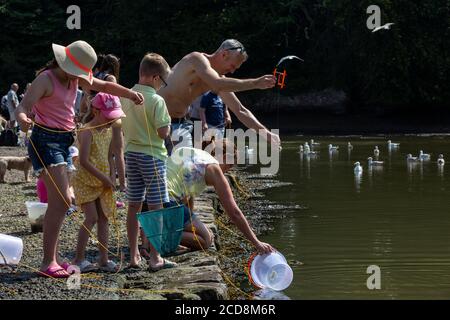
271, 271
10, 249
36, 213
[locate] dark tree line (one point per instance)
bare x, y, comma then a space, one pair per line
408, 64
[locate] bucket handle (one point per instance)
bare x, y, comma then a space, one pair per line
4, 259
249, 274
6, 262
13, 268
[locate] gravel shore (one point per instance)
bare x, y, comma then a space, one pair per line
197, 276
218, 273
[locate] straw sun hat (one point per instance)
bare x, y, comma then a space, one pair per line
77, 59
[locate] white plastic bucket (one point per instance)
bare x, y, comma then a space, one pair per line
271, 271
10, 249
36, 213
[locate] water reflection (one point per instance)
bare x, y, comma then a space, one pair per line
358, 181
399, 223
441, 171
413, 167
308, 167
268, 294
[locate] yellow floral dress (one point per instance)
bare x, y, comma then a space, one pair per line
87, 187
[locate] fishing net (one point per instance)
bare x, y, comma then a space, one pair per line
163, 228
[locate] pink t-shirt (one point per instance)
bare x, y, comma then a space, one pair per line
57, 111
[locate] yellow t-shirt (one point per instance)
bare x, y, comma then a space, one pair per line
142, 136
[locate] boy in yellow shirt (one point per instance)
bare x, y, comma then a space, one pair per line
145, 129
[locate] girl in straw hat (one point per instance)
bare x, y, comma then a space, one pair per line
51, 98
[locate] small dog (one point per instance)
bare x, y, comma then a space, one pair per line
17, 163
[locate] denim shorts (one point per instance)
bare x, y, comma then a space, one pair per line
188, 216
52, 148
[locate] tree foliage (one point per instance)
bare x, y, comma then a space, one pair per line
408, 64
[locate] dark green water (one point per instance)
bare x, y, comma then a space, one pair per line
397, 218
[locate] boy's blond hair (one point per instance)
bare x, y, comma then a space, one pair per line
153, 64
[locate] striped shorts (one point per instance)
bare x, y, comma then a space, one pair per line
146, 179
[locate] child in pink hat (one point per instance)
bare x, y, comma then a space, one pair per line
93, 186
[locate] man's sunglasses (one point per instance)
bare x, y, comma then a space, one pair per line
240, 49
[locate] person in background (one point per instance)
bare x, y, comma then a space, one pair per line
109, 71
4, 112
78, 100
214, 114
194, 116
13, 103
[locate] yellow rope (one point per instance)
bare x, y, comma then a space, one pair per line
117, 229
62, 196
64, 281
74, 130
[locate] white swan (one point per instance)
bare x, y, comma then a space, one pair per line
441, 160
376, 151
424, 156
332, 148
393, 144
306, 148
410, 158
358, 169
374, 163
311, 153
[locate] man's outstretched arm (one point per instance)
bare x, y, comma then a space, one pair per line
246, 116
223, 84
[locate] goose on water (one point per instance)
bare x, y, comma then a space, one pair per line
358, 169
371, 162
424, 156
393, 144
441, 160
376, 151
410, 158
306, 148
332, 148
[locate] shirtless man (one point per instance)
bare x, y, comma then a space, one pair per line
198, 72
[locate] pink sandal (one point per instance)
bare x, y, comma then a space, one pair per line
55, 271
65, 265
